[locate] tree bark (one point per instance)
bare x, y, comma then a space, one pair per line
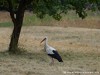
13, 46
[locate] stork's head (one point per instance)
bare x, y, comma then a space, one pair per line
44, 39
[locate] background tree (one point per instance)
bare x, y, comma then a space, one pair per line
54, 8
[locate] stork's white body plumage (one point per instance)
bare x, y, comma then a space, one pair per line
51, 51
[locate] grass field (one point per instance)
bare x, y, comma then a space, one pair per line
79, 48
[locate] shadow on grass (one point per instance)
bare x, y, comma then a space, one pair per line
42, 56
24, 54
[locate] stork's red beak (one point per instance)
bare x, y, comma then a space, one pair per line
43, 40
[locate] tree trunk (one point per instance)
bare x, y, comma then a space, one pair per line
13, 46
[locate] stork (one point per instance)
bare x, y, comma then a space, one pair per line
51, 51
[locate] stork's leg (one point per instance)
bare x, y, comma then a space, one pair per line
52, 61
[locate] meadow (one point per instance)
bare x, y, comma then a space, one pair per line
78, 44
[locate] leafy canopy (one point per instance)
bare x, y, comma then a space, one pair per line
54, 8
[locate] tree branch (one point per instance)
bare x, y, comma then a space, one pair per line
11, 11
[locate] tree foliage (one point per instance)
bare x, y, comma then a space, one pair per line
53, 8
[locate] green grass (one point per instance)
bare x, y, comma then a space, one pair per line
35, 21
6, 24
47, 20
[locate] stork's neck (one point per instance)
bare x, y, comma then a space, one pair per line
46, 42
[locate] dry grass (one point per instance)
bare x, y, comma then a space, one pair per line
79, 48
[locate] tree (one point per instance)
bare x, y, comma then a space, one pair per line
53, 8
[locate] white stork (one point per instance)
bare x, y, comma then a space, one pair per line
51, 51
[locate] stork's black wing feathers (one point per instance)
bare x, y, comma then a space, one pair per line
56, 56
